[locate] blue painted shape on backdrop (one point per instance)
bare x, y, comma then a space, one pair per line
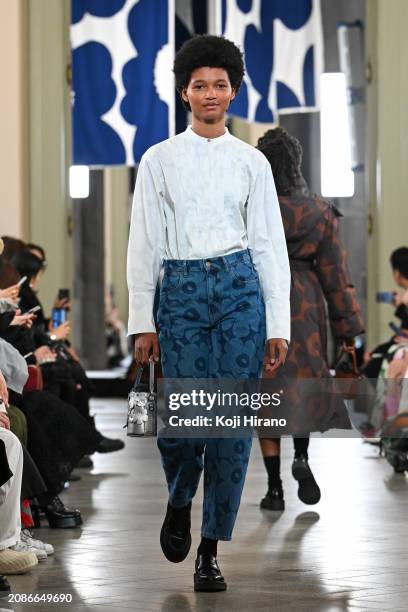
308, 74
99, 8
95, 94
141, 105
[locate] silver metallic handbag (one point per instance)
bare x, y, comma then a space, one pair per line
142, 406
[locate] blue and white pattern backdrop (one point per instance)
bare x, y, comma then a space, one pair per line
123, 87
282, 42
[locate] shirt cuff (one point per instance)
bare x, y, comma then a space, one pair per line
141, 314
277, 313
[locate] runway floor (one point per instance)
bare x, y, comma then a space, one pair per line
349, 552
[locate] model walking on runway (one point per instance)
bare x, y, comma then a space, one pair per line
319, 274
205, 208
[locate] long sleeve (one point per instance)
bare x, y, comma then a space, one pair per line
332, 270
145, 248
267, 243
13, 366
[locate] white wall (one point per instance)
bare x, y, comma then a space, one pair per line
387, 50
13, 106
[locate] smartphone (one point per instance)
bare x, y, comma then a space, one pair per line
58, 316
33, 310
385, 297
397, 330
63, 294
21, 281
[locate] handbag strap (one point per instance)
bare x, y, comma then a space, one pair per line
151, 375
139, 373
138, 378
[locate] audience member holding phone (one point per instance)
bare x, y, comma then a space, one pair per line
32, 268
63, 375
399, 266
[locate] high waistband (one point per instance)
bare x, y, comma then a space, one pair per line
224, 261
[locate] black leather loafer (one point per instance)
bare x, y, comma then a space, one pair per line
207, 575
273, 500
109, 445
308, 491
175, 537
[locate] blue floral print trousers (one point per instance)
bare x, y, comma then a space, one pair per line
212, 325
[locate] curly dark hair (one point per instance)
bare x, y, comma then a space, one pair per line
208, 50
284, 152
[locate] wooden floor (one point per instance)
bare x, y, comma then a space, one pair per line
350, 552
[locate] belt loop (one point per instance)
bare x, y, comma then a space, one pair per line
225, 262
185, 271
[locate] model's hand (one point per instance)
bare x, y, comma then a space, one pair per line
276, 351
145, 345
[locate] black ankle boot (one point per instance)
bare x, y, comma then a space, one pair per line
175, 537
208, 575
273, 499
308, 491
57, 514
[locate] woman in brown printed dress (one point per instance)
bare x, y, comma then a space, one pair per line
320, 283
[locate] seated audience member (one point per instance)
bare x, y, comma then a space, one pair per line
58, 438
374, 358
32, 483
399, 264
12, 561
9, 289
63, 374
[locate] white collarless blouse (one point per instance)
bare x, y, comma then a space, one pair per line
197, 198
